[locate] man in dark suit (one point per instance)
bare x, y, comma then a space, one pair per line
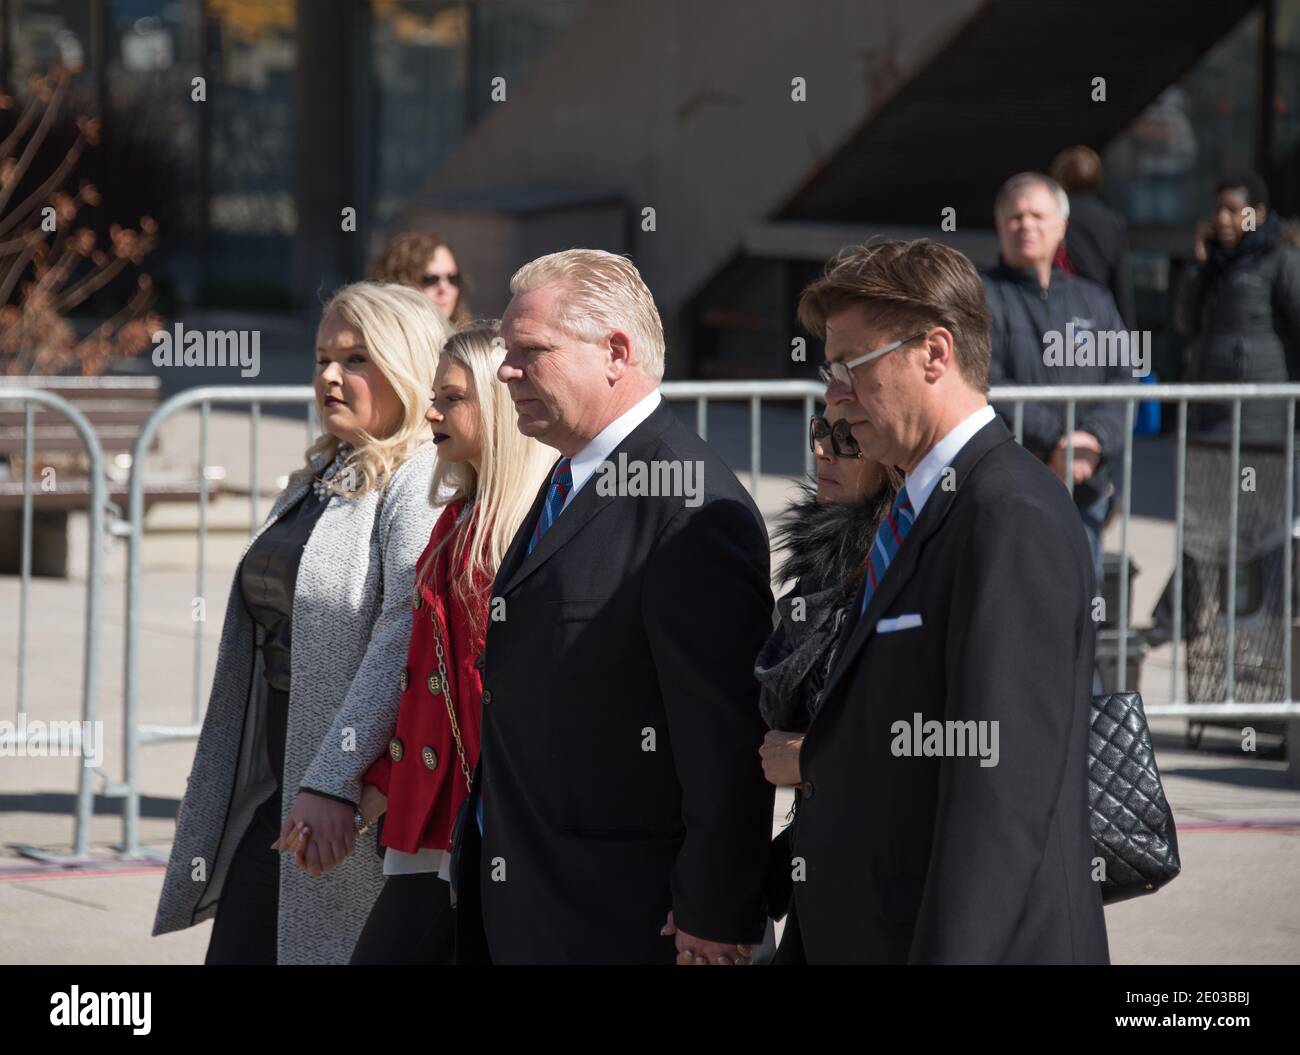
624, 817
943, 809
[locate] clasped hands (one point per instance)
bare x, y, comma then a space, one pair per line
320, 832
693, 951
780, 755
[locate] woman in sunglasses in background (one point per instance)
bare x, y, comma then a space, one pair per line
425, 262
826, 535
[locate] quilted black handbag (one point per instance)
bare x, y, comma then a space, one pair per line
1132, 826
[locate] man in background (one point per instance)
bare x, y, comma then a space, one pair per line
1036, 307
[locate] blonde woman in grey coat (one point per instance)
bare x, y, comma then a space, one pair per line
308, 673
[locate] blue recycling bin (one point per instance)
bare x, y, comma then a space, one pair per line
1146, 422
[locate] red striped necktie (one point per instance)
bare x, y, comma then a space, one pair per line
889, 537
561, 485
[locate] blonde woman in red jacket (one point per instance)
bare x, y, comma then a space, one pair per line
492, 474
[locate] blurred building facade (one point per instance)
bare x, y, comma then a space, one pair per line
730, 147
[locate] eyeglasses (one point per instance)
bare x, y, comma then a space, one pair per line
839, 373
452, 280
841, 437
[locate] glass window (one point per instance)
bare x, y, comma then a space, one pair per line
50, 33
419, 56
433, 66
151, 52
1162, 169
508, 36
251, 216
1284, 184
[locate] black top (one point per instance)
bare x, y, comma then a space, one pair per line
1096, 241
824, 544
267, 579
1242, 311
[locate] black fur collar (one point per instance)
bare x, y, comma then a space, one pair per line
826, 544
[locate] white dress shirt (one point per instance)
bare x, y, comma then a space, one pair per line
586, 461
921, 481
399, 863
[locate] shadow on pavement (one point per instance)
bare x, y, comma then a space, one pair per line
56, 802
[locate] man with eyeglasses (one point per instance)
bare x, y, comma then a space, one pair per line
973, 615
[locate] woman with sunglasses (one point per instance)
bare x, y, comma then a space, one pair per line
423, 261
826, 535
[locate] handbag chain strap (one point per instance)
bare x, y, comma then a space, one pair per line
451, 711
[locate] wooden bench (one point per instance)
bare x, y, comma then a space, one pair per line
117, 408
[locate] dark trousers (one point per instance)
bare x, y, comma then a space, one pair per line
246, 926
412, 923
244, 931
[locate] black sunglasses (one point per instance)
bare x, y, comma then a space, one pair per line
432, 280
841, 437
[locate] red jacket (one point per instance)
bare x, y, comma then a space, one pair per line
421, 774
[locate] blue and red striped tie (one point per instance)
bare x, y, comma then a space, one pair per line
561, 485
889, 536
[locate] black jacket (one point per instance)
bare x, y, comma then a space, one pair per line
1022, 314
1242, 311
826, 545
940, 859
619, 769
1096, 241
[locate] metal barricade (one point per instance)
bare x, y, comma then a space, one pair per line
133, 732
97, 499
255, 396
809, 394
1182, 395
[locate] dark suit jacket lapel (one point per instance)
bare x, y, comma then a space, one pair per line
587, 504
904, 564
519, 544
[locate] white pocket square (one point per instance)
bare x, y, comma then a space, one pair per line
898, 622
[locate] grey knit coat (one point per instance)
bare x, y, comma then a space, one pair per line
351, 625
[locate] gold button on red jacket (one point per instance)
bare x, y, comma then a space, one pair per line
422, 801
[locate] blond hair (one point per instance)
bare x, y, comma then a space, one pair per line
512, 467
600, 292
402, 333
